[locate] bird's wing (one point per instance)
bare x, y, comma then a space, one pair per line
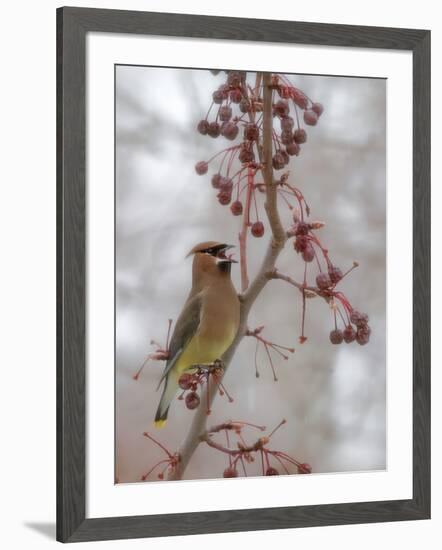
185, 328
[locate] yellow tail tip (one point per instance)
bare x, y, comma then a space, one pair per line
160, 423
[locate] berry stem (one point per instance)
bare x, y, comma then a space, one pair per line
169, 454
276, 428
244, 231
262, 463
267, 346
271, 204
147, 474
284, 467
303, 338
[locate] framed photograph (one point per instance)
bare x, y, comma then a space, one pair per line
243, 274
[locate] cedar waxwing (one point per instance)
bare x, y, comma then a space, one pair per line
207, 324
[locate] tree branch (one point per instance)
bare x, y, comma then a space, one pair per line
275, 274
276, 244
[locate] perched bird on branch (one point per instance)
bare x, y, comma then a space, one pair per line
207, 324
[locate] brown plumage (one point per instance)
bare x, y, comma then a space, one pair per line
208, 322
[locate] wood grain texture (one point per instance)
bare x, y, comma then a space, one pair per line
421, 275
72, 26
263, 30
71, 366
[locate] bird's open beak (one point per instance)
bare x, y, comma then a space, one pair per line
222, 254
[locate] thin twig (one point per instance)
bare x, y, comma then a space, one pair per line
275, 274
244, 231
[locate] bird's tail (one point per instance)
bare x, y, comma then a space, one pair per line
169, 392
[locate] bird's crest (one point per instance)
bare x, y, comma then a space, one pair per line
213, 248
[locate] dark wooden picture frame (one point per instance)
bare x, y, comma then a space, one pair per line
73, 24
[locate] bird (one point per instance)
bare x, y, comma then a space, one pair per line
207, 324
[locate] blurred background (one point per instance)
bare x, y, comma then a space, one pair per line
333, 397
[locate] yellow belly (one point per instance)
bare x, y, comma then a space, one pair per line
203, 351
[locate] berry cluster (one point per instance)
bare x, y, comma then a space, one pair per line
190, 381
236, 93
308, 245
238, 451
361, 332
243, 454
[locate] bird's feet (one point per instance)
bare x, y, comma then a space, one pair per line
218, 364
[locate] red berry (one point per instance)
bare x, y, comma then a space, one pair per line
225, 113
336, 336
281, 108
323, 281
363, 335
355, 317
229, 130
300, 243
359, 319
218, 97
235, 96
299, 98
278, 161
318, 108
226, 184
272, 471
304, 468
214, 130
308, 254
251, 132
300, 136
293, 149
203, 126
310, 117
185, 381
224, 197
301, 228
286, 137
257, 229
246, 155
216, 181
285, 156
349, 334
287, 124
201, 167
220, 94
230, 472
335, 274
235, 78
236, 208
245, 105
192, 400
283, 91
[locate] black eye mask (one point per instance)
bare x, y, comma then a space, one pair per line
218, 251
